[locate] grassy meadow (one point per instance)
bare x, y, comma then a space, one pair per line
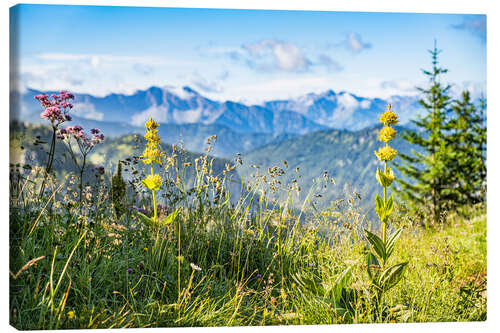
97, 259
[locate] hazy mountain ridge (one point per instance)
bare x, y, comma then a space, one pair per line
300, 115
188, 117
347, 156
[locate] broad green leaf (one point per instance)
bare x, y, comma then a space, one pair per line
391, 276
391, 242
149, 222
170, 218
377, 244
341, 282
389, 206
380, 207
372, 266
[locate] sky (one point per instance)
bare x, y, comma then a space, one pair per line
242, 55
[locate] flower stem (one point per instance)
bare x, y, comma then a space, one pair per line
384, 226
48, 168
154, 194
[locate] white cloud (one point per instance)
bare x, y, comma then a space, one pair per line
270, 54
86, 110
159, 113
347, 101
476, 89
475, 25
282, 88
96, 74
355, 44
365, 104
204, 85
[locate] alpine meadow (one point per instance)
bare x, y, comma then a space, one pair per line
245, 176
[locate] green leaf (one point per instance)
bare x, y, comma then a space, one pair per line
391, 276
372, 266
377, 244
380, 207
389, 206
148, 221
391, 242
170, 218
341, 283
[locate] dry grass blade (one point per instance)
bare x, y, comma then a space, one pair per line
43, 209
25, 267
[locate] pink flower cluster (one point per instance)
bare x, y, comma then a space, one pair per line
85, 142
56, 108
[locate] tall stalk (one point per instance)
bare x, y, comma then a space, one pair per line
50, 159
384, 277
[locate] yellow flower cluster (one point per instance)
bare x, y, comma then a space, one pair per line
387, 133
152, 182
389, 117
386, 153
152, 153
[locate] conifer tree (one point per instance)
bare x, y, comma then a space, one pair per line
428, 174
468, 139
118, 191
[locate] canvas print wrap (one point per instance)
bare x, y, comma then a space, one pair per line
175, 167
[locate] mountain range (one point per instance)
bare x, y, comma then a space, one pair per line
187, 116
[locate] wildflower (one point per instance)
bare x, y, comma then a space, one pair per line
389, 117
99, 171
152, 136
151, 124
152, 182
55, 109
387, 133
152, 155
71, 314
130, 270
386, 153
259, 276
194, 267
385, 178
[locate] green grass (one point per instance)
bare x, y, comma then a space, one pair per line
260, 263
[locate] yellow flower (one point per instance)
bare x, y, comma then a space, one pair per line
71, 314
153, 182
152, 136
386, 153
389, 117
385, 178
152, 155
151, 124
387, 133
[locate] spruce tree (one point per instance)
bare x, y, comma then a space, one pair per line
118, 191
468, 140
427, 171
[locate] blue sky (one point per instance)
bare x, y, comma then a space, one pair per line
243, 55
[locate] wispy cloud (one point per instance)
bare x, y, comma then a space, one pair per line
269, 54
355, 44
401, 86
205, 85
330, 64
97, 74
475, 25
